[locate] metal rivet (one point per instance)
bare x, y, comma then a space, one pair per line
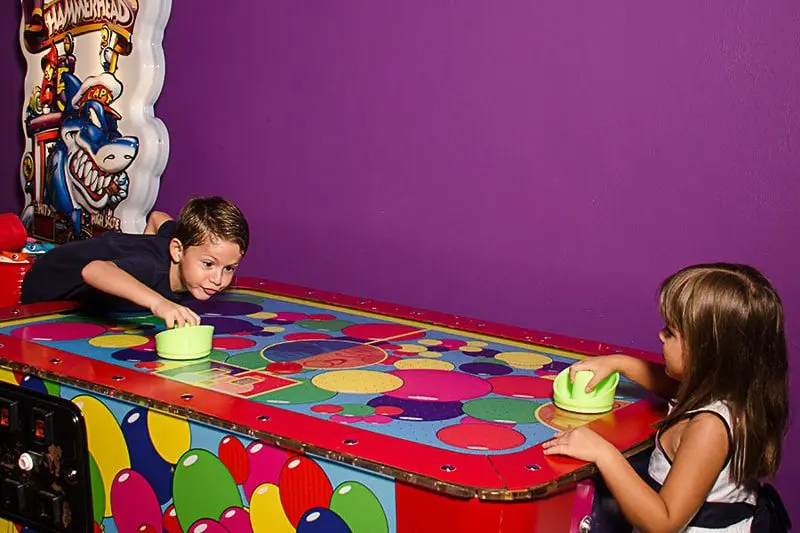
117, 378
263, 418
350, 442
532, 468
448, 468
187, 396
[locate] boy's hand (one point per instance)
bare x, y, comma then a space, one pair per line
581, 443
602, 367
175, 315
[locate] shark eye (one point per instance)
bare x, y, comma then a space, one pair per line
94, 118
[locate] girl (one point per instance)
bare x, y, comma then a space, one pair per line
725, 373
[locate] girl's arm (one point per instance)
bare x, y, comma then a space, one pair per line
699, 459
651, 376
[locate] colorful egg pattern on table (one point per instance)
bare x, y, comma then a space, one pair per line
170, 521
200, 468
145, 460
234, 456
98, 491
106, 442
321, 520
359, 508
207, 525
303, 485
170, 434
134, 503
236, 519
266, 511
264, 464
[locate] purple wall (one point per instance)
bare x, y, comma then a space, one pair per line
543, 166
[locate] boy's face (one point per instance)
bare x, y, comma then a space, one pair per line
206, 269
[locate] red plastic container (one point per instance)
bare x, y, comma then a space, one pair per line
12, 233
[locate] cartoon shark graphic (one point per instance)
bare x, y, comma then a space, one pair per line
86, 170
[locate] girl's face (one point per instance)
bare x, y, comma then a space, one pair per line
672, 348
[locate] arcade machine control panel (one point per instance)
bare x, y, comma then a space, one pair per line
44, 474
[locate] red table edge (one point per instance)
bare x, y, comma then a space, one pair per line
328, 438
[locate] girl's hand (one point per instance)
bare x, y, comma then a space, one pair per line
602, 367
580, 443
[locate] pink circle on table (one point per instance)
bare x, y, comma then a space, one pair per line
149, 346
286, 367
346, 419
470, 420
59, 331
377, 419
382, 331
306, 337
232, 343
438, 386
327, 408
286, 316
522, 386
453, 344
321, 317
481, 437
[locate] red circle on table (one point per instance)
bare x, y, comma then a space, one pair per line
388, 410
284, 368
59, 331
306, 337
481, 437
522, 386
232, 343
322, 317
327, 408
383, 331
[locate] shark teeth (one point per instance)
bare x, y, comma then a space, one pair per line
86, 173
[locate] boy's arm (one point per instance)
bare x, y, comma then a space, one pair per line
107, 277
154, 222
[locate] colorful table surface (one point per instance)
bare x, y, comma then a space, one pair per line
444, 402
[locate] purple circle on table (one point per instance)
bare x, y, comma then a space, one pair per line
134, 356
226, 326
554, 366
59, 331
223, 307
486, 352
419, 411
487, 369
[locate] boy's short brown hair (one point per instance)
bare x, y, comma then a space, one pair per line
212, 218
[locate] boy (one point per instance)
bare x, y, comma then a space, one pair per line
123, 272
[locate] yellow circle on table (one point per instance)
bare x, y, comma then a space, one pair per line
479, 344
424, 364
430, 342
471, 349
262, 315
415, 348
526, 360
118, 341
430, 354
274, 329
357, 381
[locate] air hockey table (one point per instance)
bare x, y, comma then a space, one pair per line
315, 412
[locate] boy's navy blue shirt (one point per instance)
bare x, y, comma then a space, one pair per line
57, 274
